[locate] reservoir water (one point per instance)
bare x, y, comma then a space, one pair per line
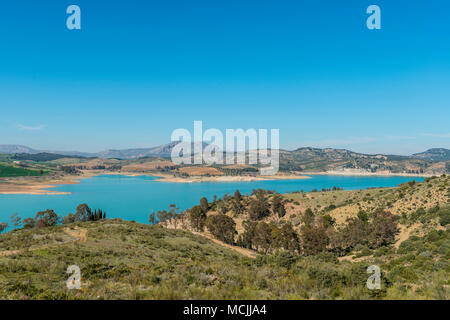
133, 198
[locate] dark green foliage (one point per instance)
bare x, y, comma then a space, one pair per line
383, 228
222, 227
281, 211
47, 218
262, 237
237, 206
16, 221
197, 218
444, 216
3, 226
285, 259
363, 216
38, 157
82, 213
70, 218
277, 205
70, 170
125, 260
286, 238
259, 207
379, 231
152, 218
28, 223
204, 204
314, 239
246, 238
237, 196
308, 217
328, 221
11, 171
417, 214
221, 207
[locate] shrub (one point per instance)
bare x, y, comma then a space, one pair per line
47, 218
403, 272
444, 216
3, 226
285, 259
258, 207
29, 223
197, 218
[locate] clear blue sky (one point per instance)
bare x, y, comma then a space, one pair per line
140, 69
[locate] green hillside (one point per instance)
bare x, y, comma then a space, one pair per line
7, 170
125, 260
324, 256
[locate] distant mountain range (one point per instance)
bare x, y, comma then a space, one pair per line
13, 149
435, 154
341, 160
307, 159
163, 151
306, 153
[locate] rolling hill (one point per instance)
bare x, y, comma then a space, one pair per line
435, 154
307, 159
159, 151
328, 159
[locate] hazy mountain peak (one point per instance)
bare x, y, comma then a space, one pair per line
15, 148
434, 154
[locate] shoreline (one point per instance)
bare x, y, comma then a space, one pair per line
43, 186
200, 179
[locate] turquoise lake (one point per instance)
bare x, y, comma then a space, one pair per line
133, 198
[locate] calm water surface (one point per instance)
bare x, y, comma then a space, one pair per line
133, 198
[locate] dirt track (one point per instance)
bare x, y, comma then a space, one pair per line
246, 252
81, 234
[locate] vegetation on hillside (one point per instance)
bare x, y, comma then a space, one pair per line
38, 157
7, 170
293, 162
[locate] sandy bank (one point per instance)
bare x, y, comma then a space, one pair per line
197, 179
43, 185
40, 185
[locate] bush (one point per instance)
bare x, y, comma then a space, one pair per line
382, 251
197, 218
365, 251
444, 216
284, 259
404, 273
47, 218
